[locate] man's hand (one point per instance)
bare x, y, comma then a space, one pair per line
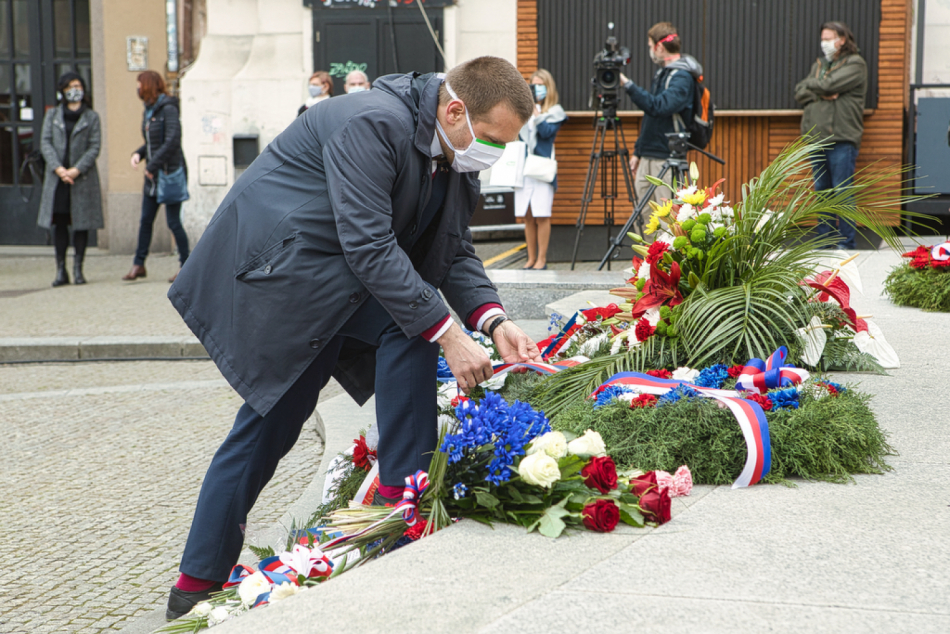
467, 360
623, 80
514, 345
634, 163
135, 160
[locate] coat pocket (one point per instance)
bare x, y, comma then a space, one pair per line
269, 264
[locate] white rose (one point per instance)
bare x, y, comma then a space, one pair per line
495, 383
552, 443
447, 391
539, 469
253, 586
685, 374
202, 609
284, 590
218, 615
590, 444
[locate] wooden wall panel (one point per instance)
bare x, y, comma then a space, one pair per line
748, 142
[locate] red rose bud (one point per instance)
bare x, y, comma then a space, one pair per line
641, 484
600, 474
601, 516
655, 505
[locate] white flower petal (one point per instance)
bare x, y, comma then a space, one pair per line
873, 342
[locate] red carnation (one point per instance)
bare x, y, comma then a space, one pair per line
644, 400
415, 531
762, 400
362, 454
735, 371
600, 474
644, 330
656, 251
601, 516
660, 374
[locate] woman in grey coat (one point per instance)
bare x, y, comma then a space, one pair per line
71, 197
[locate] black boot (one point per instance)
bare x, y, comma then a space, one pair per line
80, 239
77, 271
61, 277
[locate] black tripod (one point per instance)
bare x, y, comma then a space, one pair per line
608, 175
677, 164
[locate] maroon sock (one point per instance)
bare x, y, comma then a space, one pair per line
390, 492
193, 584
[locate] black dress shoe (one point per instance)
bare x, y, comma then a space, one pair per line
381, 500
181, 602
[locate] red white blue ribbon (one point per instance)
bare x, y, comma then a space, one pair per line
749, 414
272, 568
560, 338
941, 252
760, 377
416, 485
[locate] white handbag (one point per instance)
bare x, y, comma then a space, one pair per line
508, 171
540, 168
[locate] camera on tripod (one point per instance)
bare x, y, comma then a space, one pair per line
607, 64
678, 142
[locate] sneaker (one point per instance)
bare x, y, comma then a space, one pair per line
181, 602
381, 500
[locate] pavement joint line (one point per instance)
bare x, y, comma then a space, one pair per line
834, 606
116, 389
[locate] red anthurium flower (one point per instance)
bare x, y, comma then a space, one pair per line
838, 289
662, 288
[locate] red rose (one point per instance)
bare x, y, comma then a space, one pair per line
655, 505
735, 371
600, 474
601, 516
660, 374
644, 483
362, 454
644, 400
644, 330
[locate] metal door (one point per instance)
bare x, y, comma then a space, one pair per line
39, 40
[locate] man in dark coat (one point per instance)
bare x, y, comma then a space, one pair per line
324, 259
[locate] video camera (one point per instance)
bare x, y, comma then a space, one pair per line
605, 83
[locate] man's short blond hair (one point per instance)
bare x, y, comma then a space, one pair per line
484, 82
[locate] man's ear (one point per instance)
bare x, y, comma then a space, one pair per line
455, 112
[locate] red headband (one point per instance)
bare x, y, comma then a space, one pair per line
668, 38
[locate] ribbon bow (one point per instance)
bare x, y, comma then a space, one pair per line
416, 485
760, 377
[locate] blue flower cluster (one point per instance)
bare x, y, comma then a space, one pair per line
713, 376
443, 371
679, 392
784, 399
459, 491
609, 394
507, 428
555, 322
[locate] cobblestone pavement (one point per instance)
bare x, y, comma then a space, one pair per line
99, 486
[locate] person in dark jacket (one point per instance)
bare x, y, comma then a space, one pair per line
666, 106
71, 196
161, 129
834, 95
325, 259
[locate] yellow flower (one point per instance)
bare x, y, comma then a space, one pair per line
665, 209
695, 199
652, 225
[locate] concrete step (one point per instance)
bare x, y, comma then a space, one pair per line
526, 294
102, 348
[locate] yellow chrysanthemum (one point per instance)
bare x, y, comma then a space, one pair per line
652, 225
664, 210
695, 199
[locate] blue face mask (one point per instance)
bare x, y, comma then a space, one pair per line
315, 91
540, 92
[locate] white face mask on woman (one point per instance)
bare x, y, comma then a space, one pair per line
315, 91
828, 48
479, 155
73, 95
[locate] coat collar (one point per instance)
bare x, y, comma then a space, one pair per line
428, 105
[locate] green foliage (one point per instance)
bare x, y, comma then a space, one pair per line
928, 289
829, 438
261, 553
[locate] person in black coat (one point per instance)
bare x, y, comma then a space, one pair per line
325, 259
161, 129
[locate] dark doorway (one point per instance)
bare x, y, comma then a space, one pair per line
39, 41
357, 38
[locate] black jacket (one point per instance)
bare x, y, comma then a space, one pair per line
308, 233
671, 93
162, 133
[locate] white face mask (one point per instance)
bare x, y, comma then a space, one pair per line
479, 155
828, 48
73, 95
315, 91
354, 89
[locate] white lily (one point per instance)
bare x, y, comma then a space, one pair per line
305, 561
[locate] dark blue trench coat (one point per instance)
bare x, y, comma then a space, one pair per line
309, 232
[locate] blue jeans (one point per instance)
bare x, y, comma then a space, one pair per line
173, 216
406, 413
832, 168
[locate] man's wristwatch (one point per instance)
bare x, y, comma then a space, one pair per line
499, 320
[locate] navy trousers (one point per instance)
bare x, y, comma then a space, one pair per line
405, 415
150, 206
832, 168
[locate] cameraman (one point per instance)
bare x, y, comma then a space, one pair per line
666, 106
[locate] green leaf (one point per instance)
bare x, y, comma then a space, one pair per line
531, 499
631, 515
514, 493
570, 465
486, 499
551, 524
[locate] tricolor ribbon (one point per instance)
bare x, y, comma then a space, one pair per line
416, 485
749, 414
272, 568
760, 377
562, 337
941, 252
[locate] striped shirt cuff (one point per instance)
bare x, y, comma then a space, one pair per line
432, 334
483, 313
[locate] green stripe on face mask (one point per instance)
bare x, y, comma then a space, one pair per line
489, 143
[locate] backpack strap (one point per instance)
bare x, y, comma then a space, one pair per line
678, 125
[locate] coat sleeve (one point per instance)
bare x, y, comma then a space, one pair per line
53, 160
842, 79
362, 161
548, 130
88, 158
170, 144
670, 101
466, 285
